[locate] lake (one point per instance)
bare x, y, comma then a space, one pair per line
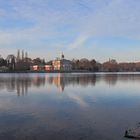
72, 106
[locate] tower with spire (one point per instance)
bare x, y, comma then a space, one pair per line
62, 56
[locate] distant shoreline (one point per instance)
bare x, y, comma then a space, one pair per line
73, 71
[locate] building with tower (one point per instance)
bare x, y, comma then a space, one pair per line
59, 64
62, 64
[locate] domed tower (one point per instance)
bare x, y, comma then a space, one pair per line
62, 56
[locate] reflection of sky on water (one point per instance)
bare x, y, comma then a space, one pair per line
81, 106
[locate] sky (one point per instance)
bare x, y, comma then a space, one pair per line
93, 29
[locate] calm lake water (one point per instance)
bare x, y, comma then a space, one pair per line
68, 106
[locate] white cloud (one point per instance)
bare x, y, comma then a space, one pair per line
78, 42
48, 19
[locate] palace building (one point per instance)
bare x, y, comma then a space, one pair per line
62, 64
59, 64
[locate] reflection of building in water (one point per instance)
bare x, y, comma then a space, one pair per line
62, 80
56, 80
59, 82
22, 82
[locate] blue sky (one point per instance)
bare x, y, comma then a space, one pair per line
99, 29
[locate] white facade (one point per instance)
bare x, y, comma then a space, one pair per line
62, 64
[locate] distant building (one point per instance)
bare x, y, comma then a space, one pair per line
37, 67
48, 67
62, 64
59, 64
41, 68
34, 67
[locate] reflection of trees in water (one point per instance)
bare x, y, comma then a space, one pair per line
129, 77
112, 79
21, 83
83, 80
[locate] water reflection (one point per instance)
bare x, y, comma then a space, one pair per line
61, 81
92, 106
22, 82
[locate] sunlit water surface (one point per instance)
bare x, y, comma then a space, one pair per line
68, 106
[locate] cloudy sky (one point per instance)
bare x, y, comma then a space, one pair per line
99, 29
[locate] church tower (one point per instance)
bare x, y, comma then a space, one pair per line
62, 56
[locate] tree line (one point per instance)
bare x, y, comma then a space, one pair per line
77, 64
